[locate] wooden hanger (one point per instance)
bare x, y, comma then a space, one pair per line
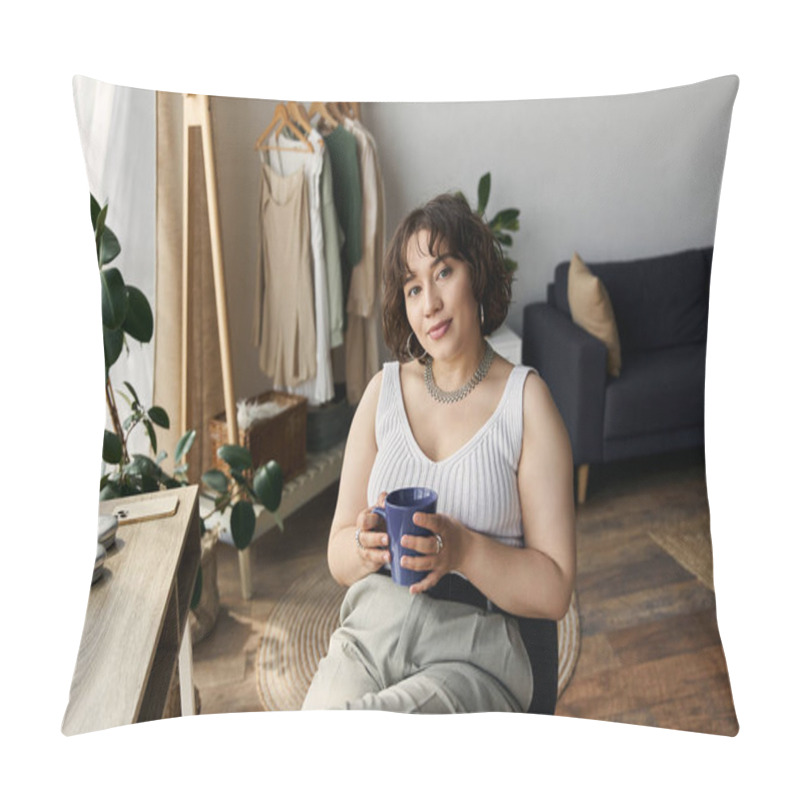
349, 109
324, 112
280, 120
338, 110
335, 112
297, 112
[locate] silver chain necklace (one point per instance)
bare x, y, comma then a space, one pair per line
440, 396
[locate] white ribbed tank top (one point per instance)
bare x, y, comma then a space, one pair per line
477, 484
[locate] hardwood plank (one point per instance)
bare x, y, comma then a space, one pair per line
596, 655
614, 694
645, 606
656, 569
673, 635
608, 547
707, 711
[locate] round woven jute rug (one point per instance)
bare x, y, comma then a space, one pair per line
297, 632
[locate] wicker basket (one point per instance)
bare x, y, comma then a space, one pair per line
281, 437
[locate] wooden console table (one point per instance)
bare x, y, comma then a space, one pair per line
137, 621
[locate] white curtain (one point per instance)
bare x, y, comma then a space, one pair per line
117, 131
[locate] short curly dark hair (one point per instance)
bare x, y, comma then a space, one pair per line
448, 219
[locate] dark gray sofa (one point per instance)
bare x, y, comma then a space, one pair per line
657, 402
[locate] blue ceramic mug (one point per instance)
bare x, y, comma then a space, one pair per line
399, 509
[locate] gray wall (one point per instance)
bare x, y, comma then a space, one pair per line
610, 177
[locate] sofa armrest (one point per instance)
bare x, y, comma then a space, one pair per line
572, 363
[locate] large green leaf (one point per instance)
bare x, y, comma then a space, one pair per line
159, 416
142, 466
109, 247
235, 456
215, 479
151, 434
150, 483
113, 297
243, 482
94, 208
510, 264
268, 485
110, 492
139, 317
132, 391
112, 448
112, 346
130, 486
484, 187
243, 523
185, 444
507, 219
503, 238
100, 222
99, 227
239, 477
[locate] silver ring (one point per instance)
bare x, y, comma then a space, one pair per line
439, 542
358, 539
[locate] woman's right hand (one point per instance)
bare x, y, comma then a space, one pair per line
372, 543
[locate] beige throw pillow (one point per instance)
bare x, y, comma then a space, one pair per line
590, 307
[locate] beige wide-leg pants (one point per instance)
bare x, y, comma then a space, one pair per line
415, 654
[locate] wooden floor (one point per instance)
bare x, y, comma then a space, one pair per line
650, 650
650, 647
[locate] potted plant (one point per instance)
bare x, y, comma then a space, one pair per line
126, 312
501, 223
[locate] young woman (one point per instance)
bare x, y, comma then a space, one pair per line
486, 436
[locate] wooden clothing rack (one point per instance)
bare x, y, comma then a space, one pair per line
197, 114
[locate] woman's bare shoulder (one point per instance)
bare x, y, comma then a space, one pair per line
369, 399
541, 420
537, 402
362, 428
534, 383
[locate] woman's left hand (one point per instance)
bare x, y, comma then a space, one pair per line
439, 560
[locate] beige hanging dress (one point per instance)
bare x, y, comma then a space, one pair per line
283, 329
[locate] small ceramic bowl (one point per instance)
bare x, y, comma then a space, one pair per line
98, 563
107, 525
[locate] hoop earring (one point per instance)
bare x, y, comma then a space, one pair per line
481, 307
408, 349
